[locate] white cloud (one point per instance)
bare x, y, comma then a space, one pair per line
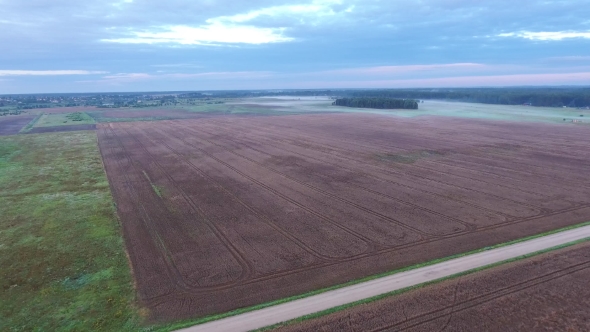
315, 9
137, 77
547, 35
408, 68
235, 29
48, 72
212, 34
128, 76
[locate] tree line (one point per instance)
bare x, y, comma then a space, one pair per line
379, 103
545, 97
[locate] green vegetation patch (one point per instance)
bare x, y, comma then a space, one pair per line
156, 189
64, 119
63, 261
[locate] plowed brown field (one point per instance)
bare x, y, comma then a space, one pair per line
12, 124
223, 213
545, 293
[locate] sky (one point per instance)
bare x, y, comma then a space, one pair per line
53, 46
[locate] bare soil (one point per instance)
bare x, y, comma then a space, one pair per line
227, 212
544, 293
12, 124
39, 130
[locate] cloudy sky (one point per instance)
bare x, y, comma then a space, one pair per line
156, 45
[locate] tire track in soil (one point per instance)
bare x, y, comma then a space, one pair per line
353, 143
163, 298
116, 192
370, 243
351, 152
422, 147
190, 164
495, 174
528, 139
484, 298
484, 228
249, 208
468, 227
387, 171
172, 271
178, 278
548, 213
438, 139
247, 268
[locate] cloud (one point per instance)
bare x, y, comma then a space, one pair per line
212, 34
128, 76
177, 65
407, 69
49, 72
315, 9
546, 35
235, 29
136, 77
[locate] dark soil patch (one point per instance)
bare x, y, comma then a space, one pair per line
11, 125
39, 130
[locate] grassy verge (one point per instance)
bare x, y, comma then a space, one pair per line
400, 291
63, 263
64, 119
175, 326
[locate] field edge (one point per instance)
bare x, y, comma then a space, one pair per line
207, 319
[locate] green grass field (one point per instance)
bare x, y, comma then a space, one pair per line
62, 258
64, 119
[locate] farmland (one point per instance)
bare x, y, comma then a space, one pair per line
10, 125
546, 292
226, 212
64, 119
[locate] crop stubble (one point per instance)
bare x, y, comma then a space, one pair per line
250, 210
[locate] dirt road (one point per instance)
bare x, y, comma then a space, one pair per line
312, 304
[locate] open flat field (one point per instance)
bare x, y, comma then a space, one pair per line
62, 260
227, 212
11, 125
545, 293
63, 119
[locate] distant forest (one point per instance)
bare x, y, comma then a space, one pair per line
546, 97
380, 103
549, 97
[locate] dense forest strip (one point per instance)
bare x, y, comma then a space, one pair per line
547, 97
380, 103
